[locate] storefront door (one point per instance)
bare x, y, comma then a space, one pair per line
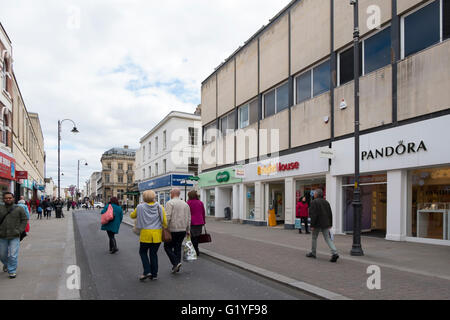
276, 200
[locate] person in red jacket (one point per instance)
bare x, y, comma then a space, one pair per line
302, 213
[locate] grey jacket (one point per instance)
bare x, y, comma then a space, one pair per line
149, 217
178, 215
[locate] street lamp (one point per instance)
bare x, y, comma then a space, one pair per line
74, 130
357, 205
78, 175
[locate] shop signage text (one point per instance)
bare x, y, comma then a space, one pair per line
223, 177
21, 175
279, 167
390, 151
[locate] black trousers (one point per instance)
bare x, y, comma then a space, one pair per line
112, 240
173, 248
305, 221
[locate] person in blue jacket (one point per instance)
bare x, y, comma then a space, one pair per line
112, 228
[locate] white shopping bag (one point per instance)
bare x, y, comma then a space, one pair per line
330, 232
189, 251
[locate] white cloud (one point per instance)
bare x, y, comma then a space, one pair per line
68, 72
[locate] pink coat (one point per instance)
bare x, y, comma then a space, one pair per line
197, 212
302, 210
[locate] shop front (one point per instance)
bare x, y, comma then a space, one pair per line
405, 182
274, 186
7, 174
162, 186
219, 193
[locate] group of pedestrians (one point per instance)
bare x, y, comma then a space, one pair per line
180, 218
321, 222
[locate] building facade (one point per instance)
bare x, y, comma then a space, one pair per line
169, 154
117, 173
93, 186
278, 118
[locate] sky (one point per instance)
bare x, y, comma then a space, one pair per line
118, 67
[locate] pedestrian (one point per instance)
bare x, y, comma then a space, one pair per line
198, 218
48, 209
112, 228
39, 211
321, 221
179, 224
302, 214
22, 204
73, 205
68, 205
13, 222
151, 218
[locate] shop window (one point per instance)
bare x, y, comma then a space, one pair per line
210, 202
430, 203
250, 200
421, 28
377, 51
346, 65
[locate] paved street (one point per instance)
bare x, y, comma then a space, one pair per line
106, 276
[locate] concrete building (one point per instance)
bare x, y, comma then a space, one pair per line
50, 188
283, 104
117, 172
93, 185
169, 153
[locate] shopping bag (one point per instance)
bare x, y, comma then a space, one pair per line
189, 251
298, 223
108, 215
136, 230
331, 234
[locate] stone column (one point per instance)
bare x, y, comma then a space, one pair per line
396, 205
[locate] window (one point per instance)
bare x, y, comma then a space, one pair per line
164, 166
156, 169
130, 167
193, 136
109, 165
193, 166
227, 123
120, 166
107, 178
150, 171
4, 70
143, 153
149, 150
120, 178
276, 100
209, 133
248, 114
377, 51
421, 28
313, 82
129, 179
156, 145
164, 140
346, 65
143, 173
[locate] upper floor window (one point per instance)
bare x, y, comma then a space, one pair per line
425, 27
276, 100
129, 179
193, 136
248, 114
164, 140
209, 133
120, 178
313, 82
377, 51
150, 150
120, 166
156, 169
4, 71
346, 65
150, 171
143, 153
227, 123
164, 166
130, 167
109, 165
156, 145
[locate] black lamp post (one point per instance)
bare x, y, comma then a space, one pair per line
357, 205
74, 130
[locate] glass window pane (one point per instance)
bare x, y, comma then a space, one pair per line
304, 87
346, 62
322, 78
377, 51
253, 112
283, 97
269, 104
446, 17
243, 117
422, 29
231, 121
223, 125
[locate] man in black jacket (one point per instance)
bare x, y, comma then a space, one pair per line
321, 221
13, 221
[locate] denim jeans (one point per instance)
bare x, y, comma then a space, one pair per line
173, 248
9, 253
326, 236
150, 265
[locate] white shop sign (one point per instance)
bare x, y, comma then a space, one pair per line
419, 144
296, 164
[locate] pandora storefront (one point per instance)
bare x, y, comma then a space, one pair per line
405, 182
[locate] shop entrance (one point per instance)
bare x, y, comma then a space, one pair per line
276, 201
374, 204
210, 202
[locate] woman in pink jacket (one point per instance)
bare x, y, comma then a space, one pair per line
197, 218
302, 213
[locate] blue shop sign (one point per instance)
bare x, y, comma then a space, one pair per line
155, 183
178, 180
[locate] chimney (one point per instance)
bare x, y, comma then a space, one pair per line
125, 147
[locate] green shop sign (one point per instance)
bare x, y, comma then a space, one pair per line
222, 177
218, 177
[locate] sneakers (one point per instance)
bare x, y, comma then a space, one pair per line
176, 268
12, 275
311, 255
334, 258
153, 278
5, 268
144, 277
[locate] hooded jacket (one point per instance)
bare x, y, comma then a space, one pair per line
14, 223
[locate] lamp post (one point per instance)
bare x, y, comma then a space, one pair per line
78, 175
357, 205
74, 130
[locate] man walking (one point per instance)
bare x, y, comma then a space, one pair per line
13, 221
179, 222
321, 221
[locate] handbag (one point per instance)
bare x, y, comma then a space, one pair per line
108, 216
166, 236
204, 237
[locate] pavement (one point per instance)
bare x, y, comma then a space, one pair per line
45, 256
408, 271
